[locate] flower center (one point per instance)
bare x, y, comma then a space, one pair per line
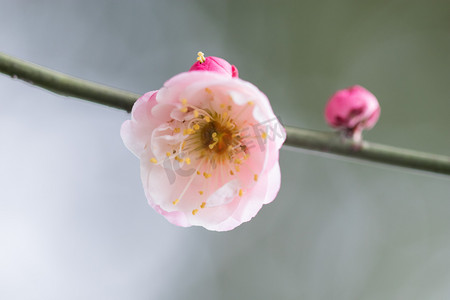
213, 137
216, 137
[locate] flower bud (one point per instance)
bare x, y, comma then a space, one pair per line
214, 64
352, 110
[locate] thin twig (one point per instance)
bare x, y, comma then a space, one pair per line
66, 85
333, 142
300, 138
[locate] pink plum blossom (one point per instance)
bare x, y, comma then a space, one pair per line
352, 110
208, 146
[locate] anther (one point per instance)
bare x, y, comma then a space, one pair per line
153, 160
194, 211
201, 57
203, 205
240, 193
188, 131
188, 160
255, 178
200, 192
215, 139
176, 201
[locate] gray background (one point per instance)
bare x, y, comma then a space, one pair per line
74, 222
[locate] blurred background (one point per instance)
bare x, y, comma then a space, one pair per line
74, 221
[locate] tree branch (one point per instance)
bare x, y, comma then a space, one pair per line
327, 142
66, 85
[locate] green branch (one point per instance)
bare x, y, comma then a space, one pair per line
66, 85
300, 138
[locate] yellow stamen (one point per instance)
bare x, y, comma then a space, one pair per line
207, 119
183, 109
250, 103
188, 131
208, 90
203, 205
153, 160
222, 105
188, 160
196, 127
183, 145
264, 135
207, 175
196, 113
168, 154
229, 107
194, 211
215, 139
231, 172
200, 192
176, 201
237, 168
198, 173
184, 101
255, 178
237, 161
176, 130
240, 193
201, 57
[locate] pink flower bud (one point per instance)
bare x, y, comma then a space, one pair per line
214, 64
352, 110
